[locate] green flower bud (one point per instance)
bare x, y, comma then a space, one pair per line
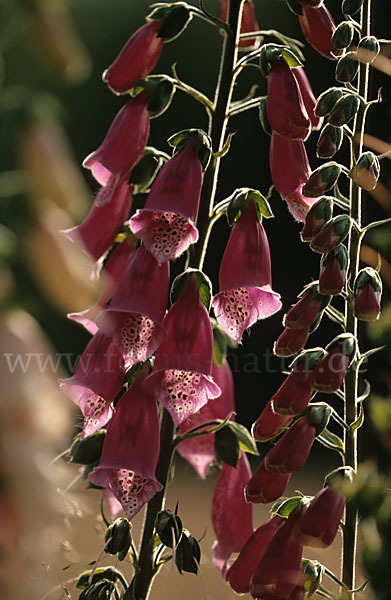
120, 533
331, 234
367, 170
351, 7
317, 216
188, 554
344, 110
368, 49
327, 101
346, 68
87, 450
319, 415
169, 527
343, 35
322, 179
329, 141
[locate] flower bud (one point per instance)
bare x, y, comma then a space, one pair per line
318, 526
333, 268
327, 101
269, 424
119, 532
332, 233
343, 35
86, 451
169, 527
368, 48
291, 341
317, 216
265, 486
351, 7
322, 180
304, 312
188, 554
367, 295
263, 115
330, 372
318, 27
329, 141
367, 170
346, 68
292, 450
344, 110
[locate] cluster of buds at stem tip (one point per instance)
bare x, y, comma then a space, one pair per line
330, 372
367, 295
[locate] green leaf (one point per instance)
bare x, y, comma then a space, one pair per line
332, 441
109, 573
227, 449
225, 149
263, 206
359, 421
291, 58
203, 282
245, 439
285, 507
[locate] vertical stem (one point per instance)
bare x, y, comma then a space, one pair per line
351, 379
217, 130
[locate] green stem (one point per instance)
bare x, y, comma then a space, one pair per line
351, 379
217, 128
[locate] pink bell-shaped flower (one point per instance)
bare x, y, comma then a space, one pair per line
131, 450
241, 571
318, 525
286, 111
124, 143
134, 315
318, 27
181, 379
110, 276
298, 204
96, 382
289, 164
199, 451
137, 59
308, 97
97, 233
269, 424
265, 486
232, 517
245, 277
166, 224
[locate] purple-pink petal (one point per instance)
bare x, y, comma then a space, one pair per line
298, 204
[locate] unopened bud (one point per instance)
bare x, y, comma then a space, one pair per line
343, 35
291, 341
169, 527
330, 372
329, 141
331, 234
317, 216
333, 268
351, 7
322, 180
86, 451
368, 49
344, 110
188, 554
367, 170
346, 68
367, 295
327, 101
319, 416
304, 312
118, 537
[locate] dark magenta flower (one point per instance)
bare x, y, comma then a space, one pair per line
318, 526
134, 316
232, 517
241, 571
302, 314
199, 451
97, 233
124, 143
318, 27
367, 295
330, 371
308, 97
269, 424
96, 382
289, 164
266, 486
245, 277
137, 59
286, 111
292, 450
131, 450
249, 23
181, 379
333, 269
291, 341
166, 224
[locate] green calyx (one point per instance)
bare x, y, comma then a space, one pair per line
160, 89
168, 527
263, 115
145, 171
294, 7
203, 284
188, 554
310, 357
175, 18
339, 253
329, 141
239, 199
178, 140
326, 101
118, 538
343, 35
347, 343
271, 53
368, 276
85, 451
338, 476
322, 179
319, 415
347, 67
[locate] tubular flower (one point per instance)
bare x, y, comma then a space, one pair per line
265, 486
137, 59
241, 571
279, 573
245, 277
124, 143
293, 396
318, 526
181, 379
286, 111
232, 517
134, 315
97, 233
308, 97
131, 450
269, 424
289, 164
292, 450
249, 23
318, 27
291, 341
112, 272
199, 451
302, 314
96, 382
166, 224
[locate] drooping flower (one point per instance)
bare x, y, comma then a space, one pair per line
291, 341
166, 224
97, 233
181, 379
96, 382
308, 97
289, 164
292, 450
232, 517
299, 204
110, 276
269, 424
330, 371
245, 281
199, 451
249, 23
286, 111
266, 486
241, 571
302, 314
137, 58
131, 450
124, 143
318, 525
318, 27
134, 315
367, 295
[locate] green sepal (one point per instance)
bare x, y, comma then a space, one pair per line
313, 573
161, 90
331, 441
188, 554
327, 100
109, 573
370, 276
203, 283
311, 357
121, 538
344, 110
169, 527
319, 415
175, 17
322, 179
245, 439
222, 342
284, 507
239, 199
100, 590
271, 53
351, 7
263, 115
178, 140
339, 475
295, 7
87, 450
343, 35
226, 445
340, 253
347, 67
348, 341
145, 171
